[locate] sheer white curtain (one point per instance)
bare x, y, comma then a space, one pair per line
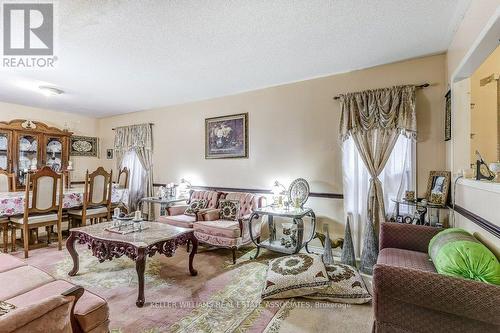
137, 178
398, 176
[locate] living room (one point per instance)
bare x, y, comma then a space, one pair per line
250, 166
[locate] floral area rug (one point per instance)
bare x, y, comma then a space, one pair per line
222, 298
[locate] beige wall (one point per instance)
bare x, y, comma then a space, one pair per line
474, 20
80, 125
293, 132
477, 197
484, 125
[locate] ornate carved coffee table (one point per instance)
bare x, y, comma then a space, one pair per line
105, 245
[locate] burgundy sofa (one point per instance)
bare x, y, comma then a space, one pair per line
410, 296
44, 304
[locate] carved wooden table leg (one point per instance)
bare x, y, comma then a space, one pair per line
70, 245
194, 241
140, 266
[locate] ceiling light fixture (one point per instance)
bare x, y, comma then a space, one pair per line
50, 91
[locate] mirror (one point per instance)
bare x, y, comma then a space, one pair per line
485, 109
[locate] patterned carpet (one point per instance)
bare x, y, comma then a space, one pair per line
222, 298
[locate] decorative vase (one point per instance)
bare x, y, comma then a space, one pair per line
348, 256
327, 254
370, 249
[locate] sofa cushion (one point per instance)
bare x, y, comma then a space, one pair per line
248, 202
183, 221
346, 286
22, 279
294, 275
195, 206
455, 252
45, 315
212, 197
223, 228
405, 258
8, 262
91, 310
229, 210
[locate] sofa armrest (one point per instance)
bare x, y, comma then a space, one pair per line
75, 292
461, 297
406, 236
176, 210
211, 215
52, 314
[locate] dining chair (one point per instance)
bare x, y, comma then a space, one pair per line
123, 176
43, 208
7, 184
7, 181
96, 198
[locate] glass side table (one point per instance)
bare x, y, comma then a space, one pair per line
164, 202
293, 233
426, 214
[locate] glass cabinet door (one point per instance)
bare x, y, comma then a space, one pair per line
28, 156
4, 151
53, 154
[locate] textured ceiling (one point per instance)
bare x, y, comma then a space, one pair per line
123, 56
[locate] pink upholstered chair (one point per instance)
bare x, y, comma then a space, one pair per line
176, 216
230, 234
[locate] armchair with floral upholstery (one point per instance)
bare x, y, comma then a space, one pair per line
176, 216
231, 234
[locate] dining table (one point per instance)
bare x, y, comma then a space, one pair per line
12, 203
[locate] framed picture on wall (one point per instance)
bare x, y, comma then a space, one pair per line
83, 146
447, 117
109, 154
226, 136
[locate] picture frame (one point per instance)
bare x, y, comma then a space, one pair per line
83, 146
438, 187
226, 136
109, 154
447, 118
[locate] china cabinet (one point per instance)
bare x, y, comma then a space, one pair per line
26, 146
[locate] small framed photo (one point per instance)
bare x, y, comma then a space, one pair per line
438, 187
109, 154
226, 136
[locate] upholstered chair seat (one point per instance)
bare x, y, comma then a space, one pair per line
232, 234
35, 218
183, 221
176, 216
90, 211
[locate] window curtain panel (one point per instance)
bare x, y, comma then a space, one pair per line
140, 139
374, 119
398, 176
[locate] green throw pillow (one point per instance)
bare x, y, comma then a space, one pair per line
455, 252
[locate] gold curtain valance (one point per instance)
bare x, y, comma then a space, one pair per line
387, 108
134, 136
